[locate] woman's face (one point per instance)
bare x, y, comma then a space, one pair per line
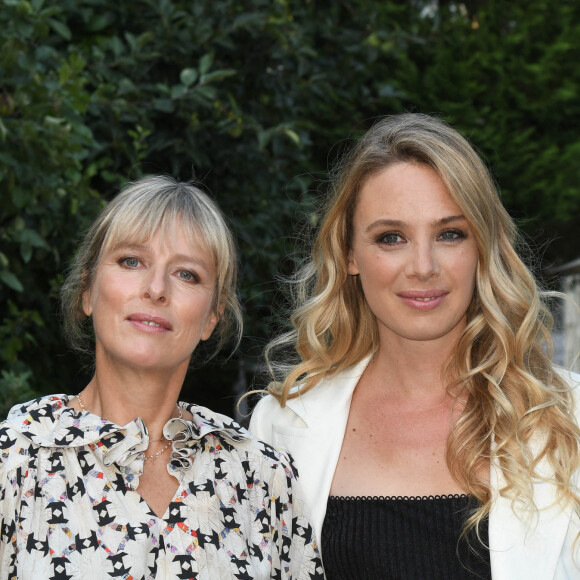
415, 253
152, 303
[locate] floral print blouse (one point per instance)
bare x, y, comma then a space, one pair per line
70, 510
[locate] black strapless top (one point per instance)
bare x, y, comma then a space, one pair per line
401, 538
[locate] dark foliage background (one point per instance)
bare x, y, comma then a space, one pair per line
255, 99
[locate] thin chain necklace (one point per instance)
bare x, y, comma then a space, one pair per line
153, 456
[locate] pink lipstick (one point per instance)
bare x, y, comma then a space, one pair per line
422, 299
148, 323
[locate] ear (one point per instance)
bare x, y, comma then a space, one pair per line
87, 308
86, 295
352, 265
210, 325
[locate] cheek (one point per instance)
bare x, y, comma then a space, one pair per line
105, 296
465, 271
197, 310
473, 261
379, 269
378, 281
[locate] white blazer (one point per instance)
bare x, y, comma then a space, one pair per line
311, 427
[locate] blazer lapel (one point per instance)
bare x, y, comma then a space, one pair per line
324, 411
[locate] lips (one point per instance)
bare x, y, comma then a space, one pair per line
422, 299
149, 323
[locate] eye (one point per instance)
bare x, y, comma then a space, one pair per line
188, 276
451, 235
390, 238
130, 262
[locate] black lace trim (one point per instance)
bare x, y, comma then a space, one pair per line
399, 497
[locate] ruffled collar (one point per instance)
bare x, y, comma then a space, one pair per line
49, 422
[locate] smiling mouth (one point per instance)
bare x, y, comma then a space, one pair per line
154, 323
423, 300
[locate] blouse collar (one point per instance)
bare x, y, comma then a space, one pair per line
49, 422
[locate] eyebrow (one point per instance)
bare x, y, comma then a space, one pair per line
400, 224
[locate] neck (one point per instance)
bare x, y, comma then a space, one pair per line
121, 394
411, 369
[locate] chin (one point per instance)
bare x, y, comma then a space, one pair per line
434, 332
142, 360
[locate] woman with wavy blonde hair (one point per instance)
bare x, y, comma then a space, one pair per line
433, 436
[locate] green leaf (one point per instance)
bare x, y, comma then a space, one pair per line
60, 28
178, 91
131, 41
216, 76
26, 252
248, 20
205, 62
264, 138
117, 46
188, 76
77, 62
126, 87
293, 135
99, 22
11, 280
50, 120
163, 105
33, 238
208, 93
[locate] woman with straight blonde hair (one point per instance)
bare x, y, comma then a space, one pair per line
433, 435
123, 480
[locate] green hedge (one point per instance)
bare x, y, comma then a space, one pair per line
255, 100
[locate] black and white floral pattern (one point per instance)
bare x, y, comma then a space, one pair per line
70, 509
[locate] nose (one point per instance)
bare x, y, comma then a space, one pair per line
423, 262
156, 288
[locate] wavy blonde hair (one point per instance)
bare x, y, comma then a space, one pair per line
502, 361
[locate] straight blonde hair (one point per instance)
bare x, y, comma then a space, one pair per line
143, 208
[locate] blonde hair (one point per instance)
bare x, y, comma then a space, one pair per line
503, 358
141, 209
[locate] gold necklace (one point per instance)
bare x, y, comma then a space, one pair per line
153, 456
